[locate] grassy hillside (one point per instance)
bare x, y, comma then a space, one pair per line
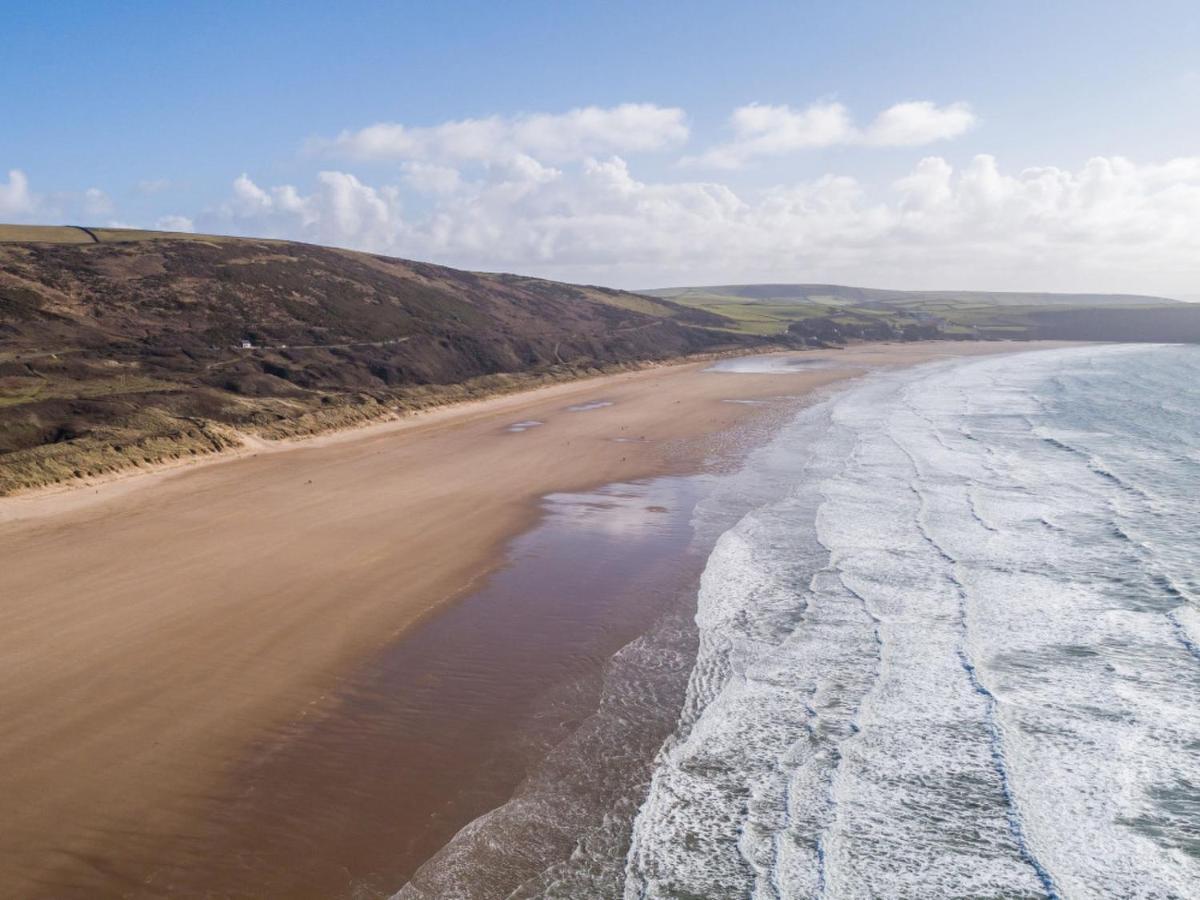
126, 348
121, 347
80, 234
825, 313
836, 294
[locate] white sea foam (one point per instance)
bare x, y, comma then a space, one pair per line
961, 656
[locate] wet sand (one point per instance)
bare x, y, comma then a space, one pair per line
167, 643
442, 726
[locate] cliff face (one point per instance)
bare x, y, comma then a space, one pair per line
121, 353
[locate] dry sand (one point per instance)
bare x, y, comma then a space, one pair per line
151, 628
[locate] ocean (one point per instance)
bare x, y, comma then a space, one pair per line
946, 644
960, 656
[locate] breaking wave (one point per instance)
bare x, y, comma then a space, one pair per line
955, 654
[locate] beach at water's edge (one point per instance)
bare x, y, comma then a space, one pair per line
154, 629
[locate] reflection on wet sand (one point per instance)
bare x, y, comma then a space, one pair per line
445, 725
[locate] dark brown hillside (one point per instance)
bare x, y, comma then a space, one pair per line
125, 352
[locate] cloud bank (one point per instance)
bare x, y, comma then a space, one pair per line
560, 195
777, 130
19, 203
589, 130
1112, 224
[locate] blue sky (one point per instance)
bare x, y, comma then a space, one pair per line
147, 114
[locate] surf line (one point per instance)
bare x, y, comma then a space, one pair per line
1016, 825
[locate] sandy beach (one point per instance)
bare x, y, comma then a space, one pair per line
154, 628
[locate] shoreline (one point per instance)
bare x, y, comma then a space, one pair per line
460, 719
290, 573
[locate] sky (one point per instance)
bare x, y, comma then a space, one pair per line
991, 146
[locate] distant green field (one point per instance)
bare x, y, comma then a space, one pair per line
774, 316
770, 309
747, 316
835, 294
762, 318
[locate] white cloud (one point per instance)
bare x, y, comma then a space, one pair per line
627, 128
175, 223
248, 198
430, 178
1111, 225
20, 203
96, 202
919, 122
341, 211
16, 200
773, 130
761, 130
